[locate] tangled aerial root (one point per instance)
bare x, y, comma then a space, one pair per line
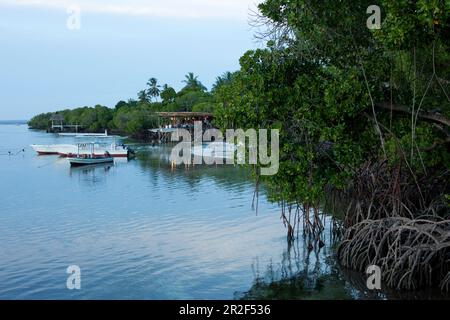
412, 253
379, 191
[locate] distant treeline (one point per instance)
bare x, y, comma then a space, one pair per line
135, 116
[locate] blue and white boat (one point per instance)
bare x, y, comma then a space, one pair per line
83, 159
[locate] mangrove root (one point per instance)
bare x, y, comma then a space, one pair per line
412, 253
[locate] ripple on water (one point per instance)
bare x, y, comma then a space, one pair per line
137, 230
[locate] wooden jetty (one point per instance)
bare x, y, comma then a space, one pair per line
58, 124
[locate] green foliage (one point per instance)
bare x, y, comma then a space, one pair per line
187, 99
153, 90
143, 97
134, 121
416, 23
135, 117
120, 104
168, 94
40, 121
223, 80
322, 80
204, 107
192, 83
95, 119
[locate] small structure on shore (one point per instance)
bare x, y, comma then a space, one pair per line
59, 126
57, 121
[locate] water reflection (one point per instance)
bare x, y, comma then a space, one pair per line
144, 230
91, 169
304, 274
156, 164
138, 230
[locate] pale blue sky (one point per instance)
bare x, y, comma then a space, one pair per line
44, 66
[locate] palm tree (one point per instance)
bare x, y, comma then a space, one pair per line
143, 96
226, 78
193, 83
168, 94
153, 90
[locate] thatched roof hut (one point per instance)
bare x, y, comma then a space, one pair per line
57, 117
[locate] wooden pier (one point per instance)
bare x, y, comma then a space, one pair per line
58, 124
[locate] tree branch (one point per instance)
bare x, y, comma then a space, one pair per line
433, 117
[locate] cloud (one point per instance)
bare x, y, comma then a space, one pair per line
213, 9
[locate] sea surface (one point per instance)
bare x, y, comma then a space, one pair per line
141, 229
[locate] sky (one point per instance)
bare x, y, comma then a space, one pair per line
65, 54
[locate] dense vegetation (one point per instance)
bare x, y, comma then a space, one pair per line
344, 95
134, 117
364, 117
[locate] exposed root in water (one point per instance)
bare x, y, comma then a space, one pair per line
302, 218
395, 219
411, 253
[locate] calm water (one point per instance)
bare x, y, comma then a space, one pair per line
140, 230
137, 229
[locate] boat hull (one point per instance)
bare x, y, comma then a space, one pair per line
47, 153
44, 150
78, 162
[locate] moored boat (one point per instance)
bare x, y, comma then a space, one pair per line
65, 150
86, 161
216, 150
83, 159
48, 149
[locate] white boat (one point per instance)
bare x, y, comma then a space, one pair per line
65, 150
215, 150
116, 151
82, 159
53, 149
